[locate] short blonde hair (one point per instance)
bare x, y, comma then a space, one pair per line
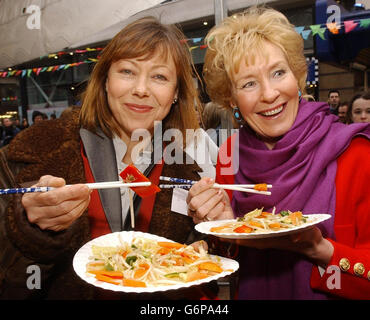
143, 38
242, 36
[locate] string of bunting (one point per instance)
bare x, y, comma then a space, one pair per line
333, 27
71, 53
317, 29
37, 71
11, 98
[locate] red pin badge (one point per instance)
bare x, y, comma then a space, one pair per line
132, 174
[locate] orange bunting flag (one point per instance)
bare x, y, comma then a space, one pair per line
333, 27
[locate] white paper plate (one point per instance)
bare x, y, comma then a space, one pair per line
204, 227
81, 258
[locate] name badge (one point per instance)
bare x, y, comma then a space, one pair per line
178, 203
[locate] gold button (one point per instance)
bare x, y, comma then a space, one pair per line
368, 276
359, 269
344, 264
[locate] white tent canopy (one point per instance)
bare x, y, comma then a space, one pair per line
30, 29
67, 24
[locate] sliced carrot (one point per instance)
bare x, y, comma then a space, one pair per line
164, 264
110, 274
144, 265
256, 224
163, 251
219, 229
243, 229
171, 245
133, 283
295, 217
264, 215
179, 261
139, 273
275, 226
188, 258
195, 275
210, 266
260, 187
104, 278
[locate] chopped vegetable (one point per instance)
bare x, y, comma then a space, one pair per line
171, 245
243, 229
260, 187
210, 266
284, 213
104, 278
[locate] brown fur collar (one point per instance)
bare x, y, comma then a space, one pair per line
51, 147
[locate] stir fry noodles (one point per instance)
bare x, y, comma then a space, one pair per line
258, 221
147, 263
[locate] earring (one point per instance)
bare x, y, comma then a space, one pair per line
237, 115
174, 101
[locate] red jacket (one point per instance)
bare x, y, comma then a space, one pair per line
351, 224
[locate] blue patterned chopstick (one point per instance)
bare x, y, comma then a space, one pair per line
178, 180
25, 190
172, 186
187, 184
97, 185
191, 182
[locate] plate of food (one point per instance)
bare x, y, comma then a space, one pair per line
260, 224
138, 262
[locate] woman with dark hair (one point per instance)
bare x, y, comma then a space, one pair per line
359, 108
142, 81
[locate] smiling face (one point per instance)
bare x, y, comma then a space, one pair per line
141, 91
266, 92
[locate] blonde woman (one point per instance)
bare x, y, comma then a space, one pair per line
255, 65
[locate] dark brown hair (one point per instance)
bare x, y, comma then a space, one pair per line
143, 38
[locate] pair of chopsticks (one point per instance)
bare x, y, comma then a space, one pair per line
92, 186
98, 185
187, 184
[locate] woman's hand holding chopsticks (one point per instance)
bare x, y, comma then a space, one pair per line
57, 209
207, 203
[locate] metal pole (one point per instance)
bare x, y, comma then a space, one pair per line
44, 95
220, 10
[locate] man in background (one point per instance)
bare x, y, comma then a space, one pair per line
334, 101
8, 131
342, 112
